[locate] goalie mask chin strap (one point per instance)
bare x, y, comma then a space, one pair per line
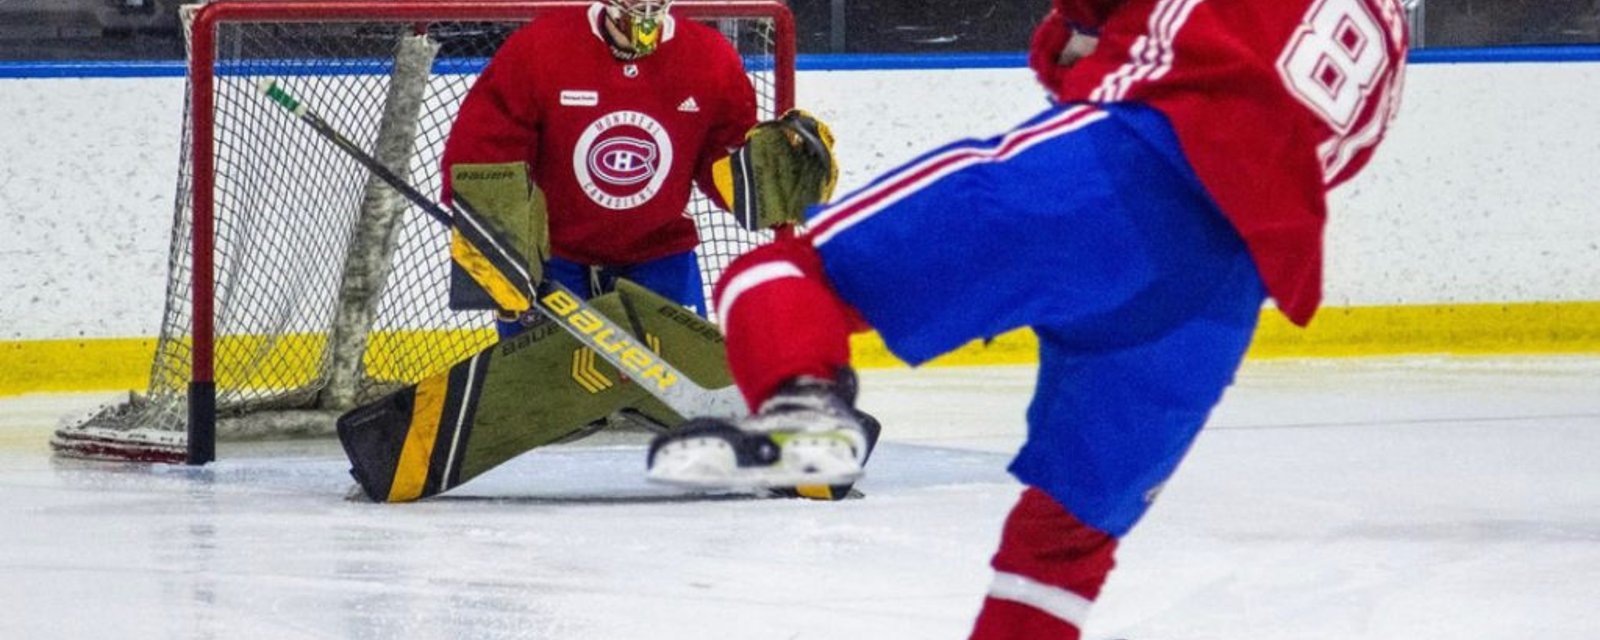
618, 49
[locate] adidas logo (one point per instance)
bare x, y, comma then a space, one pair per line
689, 105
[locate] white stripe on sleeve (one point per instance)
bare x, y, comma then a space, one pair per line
750, 279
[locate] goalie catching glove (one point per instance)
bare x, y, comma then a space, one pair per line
784, 166
500, 237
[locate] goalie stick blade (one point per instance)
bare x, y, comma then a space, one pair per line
119, 446
633, 497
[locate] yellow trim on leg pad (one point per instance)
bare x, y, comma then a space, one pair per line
411, 472
815, 491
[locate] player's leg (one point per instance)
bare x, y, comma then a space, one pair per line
968, 241
806, 429
1048, 571
1143, 296
714, 453
1075, 214
1112, 416
1080, 213
929, 236
677, 278
1090, 227
1107, 428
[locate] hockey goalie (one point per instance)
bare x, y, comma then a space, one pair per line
578, 149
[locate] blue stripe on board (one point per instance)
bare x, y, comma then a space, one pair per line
1003, 60
895, 61
92, 69
1553, 53
808, 62
177, 69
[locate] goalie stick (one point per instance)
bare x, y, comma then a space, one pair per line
569, 311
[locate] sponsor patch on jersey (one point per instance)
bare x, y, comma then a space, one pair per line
575, 98
622, 159
689, 105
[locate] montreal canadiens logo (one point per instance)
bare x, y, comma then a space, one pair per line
622, 159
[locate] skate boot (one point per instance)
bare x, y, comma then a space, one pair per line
807, 439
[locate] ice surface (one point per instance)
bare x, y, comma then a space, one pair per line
1382, 499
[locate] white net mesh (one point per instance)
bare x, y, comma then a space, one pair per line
327, 295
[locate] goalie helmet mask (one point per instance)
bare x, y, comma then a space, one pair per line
639, 22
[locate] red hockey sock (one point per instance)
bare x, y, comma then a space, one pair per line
1048, 571
782, 318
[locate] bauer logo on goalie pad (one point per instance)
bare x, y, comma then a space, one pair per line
639, 362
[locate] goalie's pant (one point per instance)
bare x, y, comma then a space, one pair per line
1085, 223
675, 277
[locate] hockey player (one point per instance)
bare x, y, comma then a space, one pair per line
616, 110
1137, 225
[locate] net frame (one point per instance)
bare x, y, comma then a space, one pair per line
201, 397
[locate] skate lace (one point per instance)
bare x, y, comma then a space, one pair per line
813, 409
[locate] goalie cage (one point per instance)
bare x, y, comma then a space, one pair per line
298, 285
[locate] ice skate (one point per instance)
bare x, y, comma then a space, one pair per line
808, 433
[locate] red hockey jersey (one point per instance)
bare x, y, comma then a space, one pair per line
615, 145
1274, 102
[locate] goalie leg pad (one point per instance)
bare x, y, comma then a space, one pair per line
690, 342
537, 388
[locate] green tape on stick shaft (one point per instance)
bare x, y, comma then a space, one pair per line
277, 94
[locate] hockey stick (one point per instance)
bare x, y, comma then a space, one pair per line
571, 312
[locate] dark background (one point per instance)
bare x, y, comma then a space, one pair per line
148, 29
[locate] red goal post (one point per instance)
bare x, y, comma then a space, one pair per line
236, 344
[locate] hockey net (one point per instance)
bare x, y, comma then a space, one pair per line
299, 287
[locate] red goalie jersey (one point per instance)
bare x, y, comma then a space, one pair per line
616, 145
1274, 102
